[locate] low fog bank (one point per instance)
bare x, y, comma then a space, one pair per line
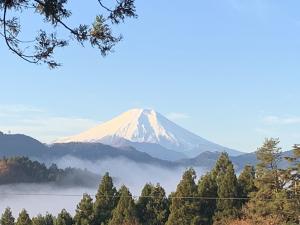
32, 198
132, 174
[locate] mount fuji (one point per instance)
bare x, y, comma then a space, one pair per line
148, 131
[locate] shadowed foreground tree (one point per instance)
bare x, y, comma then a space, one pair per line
7, 218
207, 188
106, 200
125, 212
84, 212
24, 218
224, 174
43, 220
294, 175
64, 218
184, 208
40, 49
153, 206
246, 182
272, 199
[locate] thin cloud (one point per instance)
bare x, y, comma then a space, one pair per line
39, 124
15, 110
277, 120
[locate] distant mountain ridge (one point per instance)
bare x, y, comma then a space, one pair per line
14, 145
145, 126
22, 145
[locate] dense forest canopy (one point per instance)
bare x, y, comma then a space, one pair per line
265, 195
23, 170
40, 48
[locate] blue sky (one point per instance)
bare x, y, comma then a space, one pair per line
227, 70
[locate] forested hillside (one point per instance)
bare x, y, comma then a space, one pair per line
24, 170
261, 195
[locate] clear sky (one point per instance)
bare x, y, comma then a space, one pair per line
228, 70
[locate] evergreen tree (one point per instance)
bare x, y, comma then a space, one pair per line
38, 220
106, 200
227, 188
49, 219
246, 183
7, 218
23, 218
125, 212
294, 173
207, 188
152, 206
84, 212
184, 208
43, 220
271, 198
64, 218
41, 49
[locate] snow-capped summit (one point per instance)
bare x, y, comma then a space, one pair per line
146, 126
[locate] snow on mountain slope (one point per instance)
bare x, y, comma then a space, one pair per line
147, 126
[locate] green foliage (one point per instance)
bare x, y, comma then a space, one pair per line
246, 183
7, 218
207, 188
268, 172
125, 212
24, 218
153, 207
106, 200
293, 174
272, 197
266, 194
84, 211
224, 174
24, 170
184, 208
54, 12
64, 218
43, 220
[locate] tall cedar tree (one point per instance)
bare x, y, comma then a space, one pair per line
64, 218
125, 212
271, 198
246, 183
23, 218
153, 205
226, 180
106, 200
84, 212
43, 220
208, 191
294, 175
184, 208
7, 218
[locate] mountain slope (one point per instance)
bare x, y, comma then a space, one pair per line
155, 150
148, 126
209, 159
20, 145
98, 152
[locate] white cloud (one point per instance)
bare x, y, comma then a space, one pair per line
276, 120
14, 110
177, 116
40, 124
